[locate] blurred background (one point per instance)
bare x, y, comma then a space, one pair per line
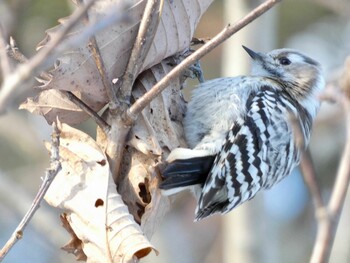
276, 226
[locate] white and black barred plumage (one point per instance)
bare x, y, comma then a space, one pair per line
240, 131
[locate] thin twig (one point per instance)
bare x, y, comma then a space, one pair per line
100, 122
55, 167
309, 173
308, 169
113, 102
328, 222
94, 49
148, 27
24, 71
142, 102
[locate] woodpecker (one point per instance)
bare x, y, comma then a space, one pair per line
242, 131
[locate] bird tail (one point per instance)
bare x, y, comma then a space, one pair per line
185, 168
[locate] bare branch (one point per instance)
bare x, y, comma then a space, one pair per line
148, 27
55, 167
328, 221
100, 122
309, 173
121, 122
343, 176
94, 49
24, 71
103, 73
308, 170
142, 102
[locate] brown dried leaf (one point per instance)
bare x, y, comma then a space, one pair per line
76, 69
95, 211
52, 103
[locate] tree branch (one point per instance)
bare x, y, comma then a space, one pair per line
94, 49
100, 122
147, 30
112, 97
121, 124
55, 167
309, 173
142, 102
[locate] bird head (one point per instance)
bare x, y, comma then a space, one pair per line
298, 74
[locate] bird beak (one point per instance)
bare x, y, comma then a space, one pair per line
254, 55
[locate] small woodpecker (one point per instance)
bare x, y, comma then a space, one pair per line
242, 131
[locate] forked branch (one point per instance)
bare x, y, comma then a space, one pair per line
329, 216
147, 30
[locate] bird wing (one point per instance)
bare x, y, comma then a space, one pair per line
252, 147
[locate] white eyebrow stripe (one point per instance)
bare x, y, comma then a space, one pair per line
296, 57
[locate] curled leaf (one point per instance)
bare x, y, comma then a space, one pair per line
84, 188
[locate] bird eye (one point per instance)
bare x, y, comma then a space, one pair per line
284, 61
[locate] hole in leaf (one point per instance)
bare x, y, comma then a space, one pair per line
99, 202
144, 192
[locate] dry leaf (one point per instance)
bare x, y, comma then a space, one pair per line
95, 211
75, 245
52, 103
76, 69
